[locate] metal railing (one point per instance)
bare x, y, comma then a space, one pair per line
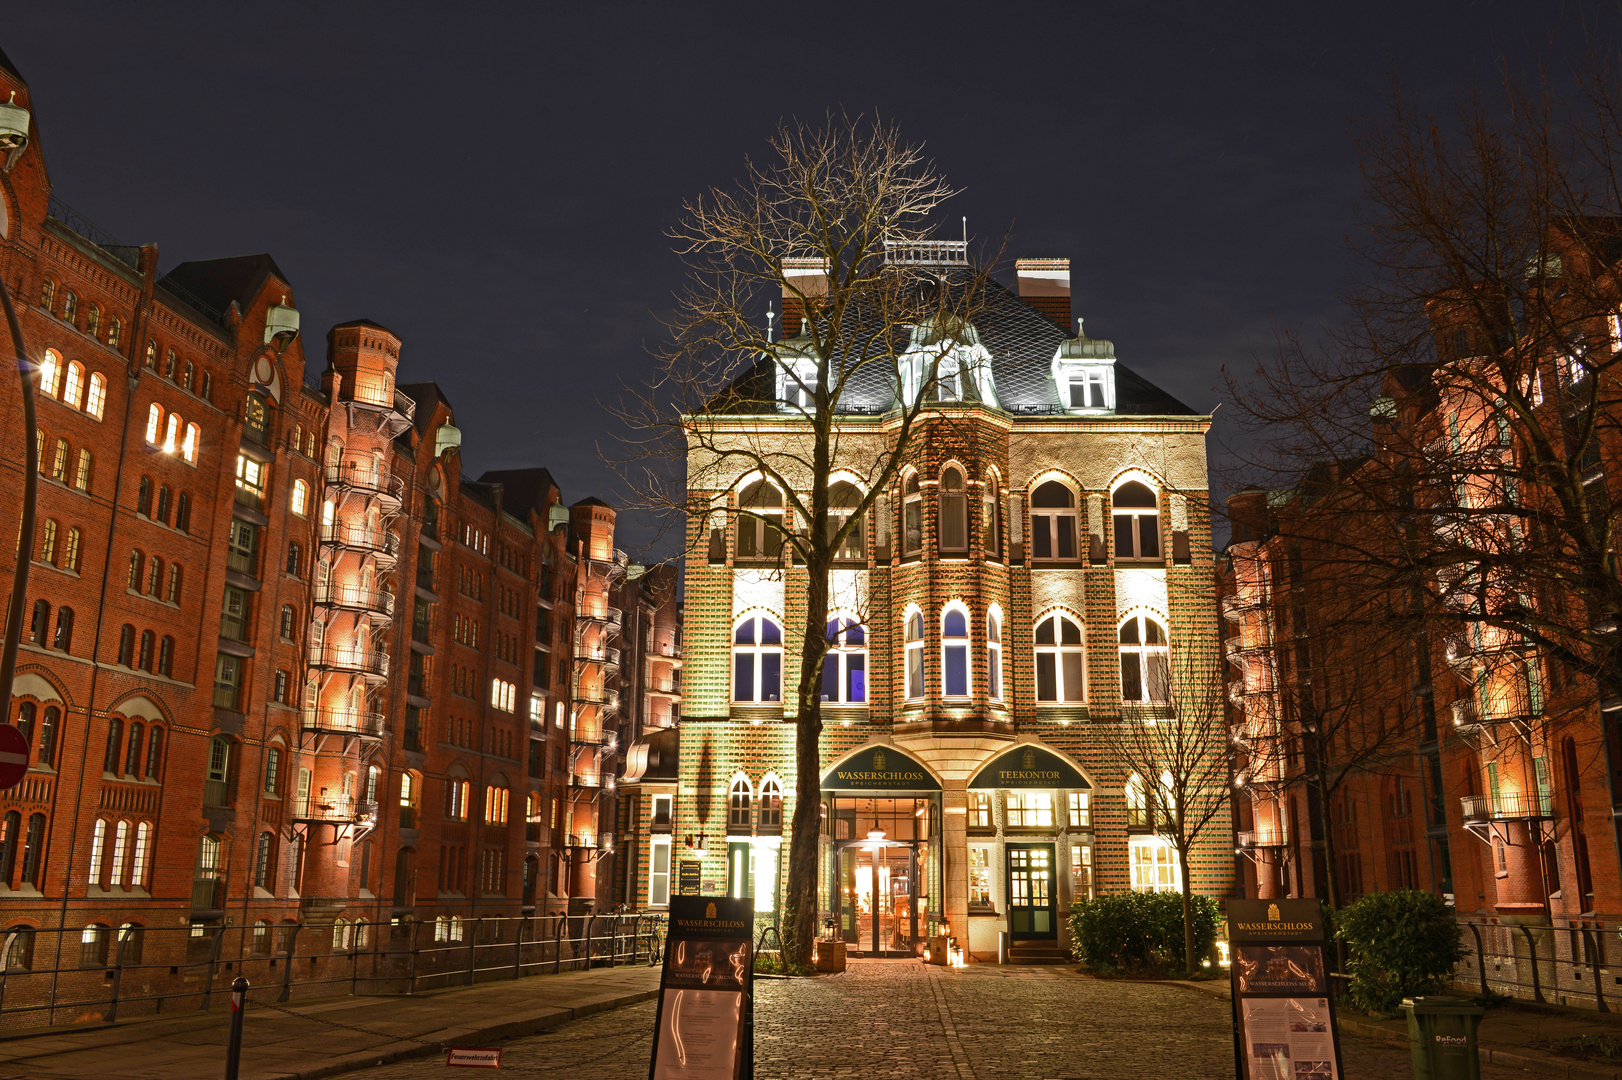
353, 596
333, 808
361, 537
1255, 838
363, 473
364, 660
375, 396
1510, 805
367, 725
86, 974
1569, 966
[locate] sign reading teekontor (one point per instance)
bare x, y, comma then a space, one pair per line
1283, 1012
704, 1027
472, 1057
1028, 766
879, 768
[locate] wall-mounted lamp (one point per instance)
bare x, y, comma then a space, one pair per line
698, 844
13, 131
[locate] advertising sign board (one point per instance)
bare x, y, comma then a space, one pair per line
1283, 1011
703, 1029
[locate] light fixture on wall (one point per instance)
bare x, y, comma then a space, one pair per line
698, 844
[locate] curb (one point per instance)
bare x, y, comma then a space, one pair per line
1573, 1070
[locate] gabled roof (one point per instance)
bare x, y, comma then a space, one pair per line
427, 395
218, 283
522, 489
1022, 342
5, 62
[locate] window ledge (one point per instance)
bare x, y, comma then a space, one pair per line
1057, 564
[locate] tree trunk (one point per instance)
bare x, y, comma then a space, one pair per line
1190, 961
800, 907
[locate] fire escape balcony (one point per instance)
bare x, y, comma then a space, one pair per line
1486, 730
606, 700
602, 737
605, 617
334, 809
1463, 654
380, 542
1262, 839
365, 475
368, 662
376, 601
1235, 604
598, 654
367, 725
1486, 814
1238, 652
610, 570
370, 397
590, 841
665, 652
669, 688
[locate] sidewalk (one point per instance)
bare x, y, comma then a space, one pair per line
323, 1037
1509, 1035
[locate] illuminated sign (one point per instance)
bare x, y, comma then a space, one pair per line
879, 768
1028, 766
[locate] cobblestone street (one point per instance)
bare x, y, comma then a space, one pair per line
903, 1021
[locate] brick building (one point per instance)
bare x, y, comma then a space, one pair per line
1037, 571
328, 681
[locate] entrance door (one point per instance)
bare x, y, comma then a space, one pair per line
1030, 892
878, 898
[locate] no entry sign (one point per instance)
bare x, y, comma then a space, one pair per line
13, 756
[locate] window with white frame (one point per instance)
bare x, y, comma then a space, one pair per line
760, 522
843, 499
1029, 809
1081, 813
301, 496
1137, 521
844, 669
740, 802
1081, 871
954, 511
659, 871
990, 519
1145, 662
915, 655
770, 808
955, 653
912, 516
1060, 660
1089, 388
994, 653
757, 660
1053, 522
980, 870
1154, 865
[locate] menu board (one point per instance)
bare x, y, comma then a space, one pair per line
688, 874
1284, 1017
703, 1028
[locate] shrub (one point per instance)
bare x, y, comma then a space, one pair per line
1139, 933
1402, 944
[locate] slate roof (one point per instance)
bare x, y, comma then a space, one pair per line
522, 489
1022, 342
5, 62
217, 283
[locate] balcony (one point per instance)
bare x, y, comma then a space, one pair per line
1236, 604
356, 598
607, 701
585, 737
584, 840
610, 570
592, 781
1251, 839
367, 725
359, 538
365, 661
1508, 806
374, 397
664, 687
598, 654
333, 808
365, 475
605, 616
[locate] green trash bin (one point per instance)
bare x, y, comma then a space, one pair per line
1442, 1037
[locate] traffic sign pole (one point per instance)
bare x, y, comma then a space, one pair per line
233, 1050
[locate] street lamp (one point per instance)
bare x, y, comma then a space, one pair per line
25, 547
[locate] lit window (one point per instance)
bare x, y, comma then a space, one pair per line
115, 330
81, 476
1030, 809
994, 653
70, 306
250, 478
1087, 389
979, 877
98, 844
74, 387
955, 653
1059, 660
171, 434
1081, 810
92, 321
50, 374
915, 655
1145, 675
844, 669
740, 818
47, 294
188, 449
1053, 522
1137, 522
301, 494
1081, 871
154, 423
1154, 865
757, 660
843, 499
96, 401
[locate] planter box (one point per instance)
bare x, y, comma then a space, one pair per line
830, 956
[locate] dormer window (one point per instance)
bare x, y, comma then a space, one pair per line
1084, 372
1087, 389
943, 367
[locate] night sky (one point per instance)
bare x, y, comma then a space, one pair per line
493, 182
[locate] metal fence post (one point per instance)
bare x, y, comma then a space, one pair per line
557, 945
287, 968
473, 948
636, 936
416, 934
213, 962
118, 973
518, 950
613, 939
233, 1049
354, 970
1593, 968
1532, 948
1481, 958
591, 924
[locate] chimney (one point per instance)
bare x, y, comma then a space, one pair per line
1045, 285
809, 276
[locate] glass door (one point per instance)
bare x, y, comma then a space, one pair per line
1030, 892
878, 898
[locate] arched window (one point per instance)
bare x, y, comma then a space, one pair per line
154, 577
1060, 664
255, 418
1137, 522
11, 827
757, 660
994, 653
171, 433
169, 362
70, 306
154, 423
289, 617
294, 558
760, 522
173, 595
261, 938
47, 294
134, 578
1145, 668
47, 542
59, 462
1053, 522
186, 374
295, 441
912, 516
954, 511
95, 402
188, 448
166, 656
152, 354
154, 753
64, 630
70, 555
115, 330
121, 847
143, 497
739, 806
771, 807
183, 512
844, 670
92, 321
50, 374
33, 850
25, 724
263, 868
163, 504
138, 864
98, 851
990, 519
132, 752
843, 499
205, 390
93, 939
115, 743
47, 735
73, 389
81, 476
19, 944
915, 655
126, 646
40, 628
955, 652
301, 495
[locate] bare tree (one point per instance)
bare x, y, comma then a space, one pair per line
1178, 777
837, 222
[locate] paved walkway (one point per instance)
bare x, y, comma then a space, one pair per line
320, 1038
